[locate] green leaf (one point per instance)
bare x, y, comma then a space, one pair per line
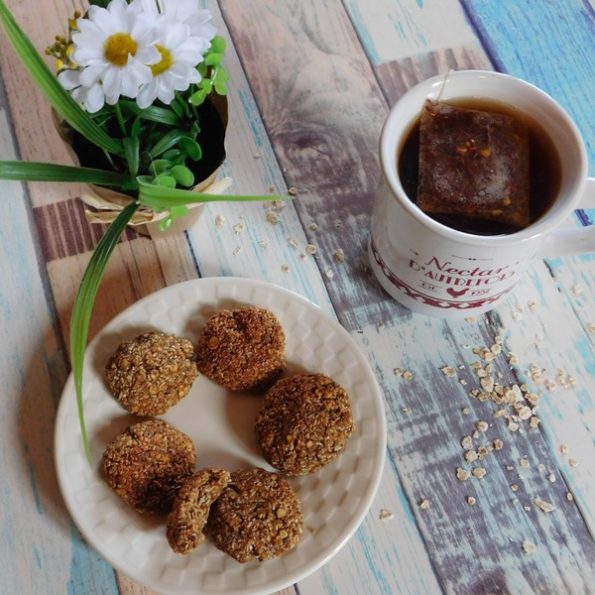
83, 308
191, 148
167, 141
131, 153
48, 83
198, 98
158, 197
183, 175
214, 59
165, 181
153, 113
32, 171
218, 44
159, 166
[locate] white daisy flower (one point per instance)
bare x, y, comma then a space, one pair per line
180, 53
187, 12
113, 47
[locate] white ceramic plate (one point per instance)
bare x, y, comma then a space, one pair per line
334, 500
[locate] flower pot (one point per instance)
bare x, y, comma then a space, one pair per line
104, 204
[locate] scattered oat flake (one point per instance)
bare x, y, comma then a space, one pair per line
569, 496
551, 477
471, 456
479, 472
239, 227
543, 505
285, 268
463, 382
293, 242
448, 371
425, 504
256, 155
591, 327
220, 220
462, 474
481, 426
470, 319
311, 249
541, 467
465, 410
513, 426
313, 226
272, 217
534, 422
517, 315
497, 444
407, 375
564, 448
524, 463
237, 250
339, 255
467, 442
292, 191
532, 306
329, 274
577, 289
471, 500
514, 487
385, 515
529, 547
573, 462
398, 371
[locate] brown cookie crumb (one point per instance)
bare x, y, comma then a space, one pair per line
147, 463
151, 373
242, 349
304, 424
257, 517
190, 511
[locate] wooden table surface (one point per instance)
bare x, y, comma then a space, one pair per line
311, 84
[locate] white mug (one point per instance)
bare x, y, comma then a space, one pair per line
434, 269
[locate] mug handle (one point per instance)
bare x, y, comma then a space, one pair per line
565, 242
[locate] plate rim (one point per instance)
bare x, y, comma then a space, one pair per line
349, 528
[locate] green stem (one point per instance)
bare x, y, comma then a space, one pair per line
120, 119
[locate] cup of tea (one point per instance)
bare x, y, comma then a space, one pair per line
434, 246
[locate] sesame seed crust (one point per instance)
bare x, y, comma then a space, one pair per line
304, 424
147, 463
151, 373
190, 511
257, 517
242, 349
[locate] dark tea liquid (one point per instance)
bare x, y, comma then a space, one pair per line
545, 171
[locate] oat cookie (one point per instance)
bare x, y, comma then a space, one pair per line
257, 517
189, 514
147, 463
242, 349
151, 373
304, 423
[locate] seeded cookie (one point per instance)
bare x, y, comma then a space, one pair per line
257, 517
304, 423
189, 514
147, 463
151, 373
242, 349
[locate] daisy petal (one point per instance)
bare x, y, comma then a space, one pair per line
95, 99
69, 79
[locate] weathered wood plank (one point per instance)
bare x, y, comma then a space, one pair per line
40, 550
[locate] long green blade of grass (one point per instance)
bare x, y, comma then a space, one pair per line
161, 197
83, 308
32, 171
47, 81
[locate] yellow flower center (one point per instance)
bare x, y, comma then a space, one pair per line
166, 62
118, 47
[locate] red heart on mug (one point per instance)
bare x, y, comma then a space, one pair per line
455, 293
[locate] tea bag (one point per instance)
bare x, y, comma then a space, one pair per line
473, 164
